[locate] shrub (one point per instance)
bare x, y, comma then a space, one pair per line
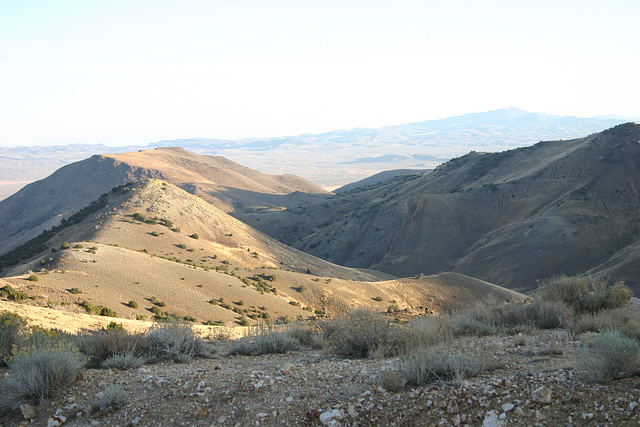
424, 367
267, 342
363, 333
12, 328
75, 291
597, 322
110, 399
611, 356
466, 325
101, 345
123, 362
392, 381
65, 245
551, 314
105, 311
174, 341
90, 308
429, 331
33, 278
37, 374
11, 294
132, 304
194, 236
244, 321
584, 294
630, 328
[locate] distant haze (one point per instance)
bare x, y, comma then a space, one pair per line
335, 158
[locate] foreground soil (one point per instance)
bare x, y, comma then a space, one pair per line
531, 383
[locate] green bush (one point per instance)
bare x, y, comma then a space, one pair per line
65, 245
75, 291
132, 304
105, 311
38, 374
11, 294
33, 278
611, 356
12, 328
90, 308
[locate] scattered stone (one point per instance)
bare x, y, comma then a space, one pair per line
491, 419
330, 418
28, 411
508, 407
56, 421
541, 395
352, 411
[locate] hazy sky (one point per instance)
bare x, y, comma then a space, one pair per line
138, 71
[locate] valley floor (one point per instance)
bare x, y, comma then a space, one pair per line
532, 383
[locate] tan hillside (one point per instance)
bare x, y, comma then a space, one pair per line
42, 204
154, 243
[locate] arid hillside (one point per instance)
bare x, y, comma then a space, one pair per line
173, 254
509, 218
222, 182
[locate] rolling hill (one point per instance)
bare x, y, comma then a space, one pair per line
219, 181
176, 255
510, 218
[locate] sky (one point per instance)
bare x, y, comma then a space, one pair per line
135, 71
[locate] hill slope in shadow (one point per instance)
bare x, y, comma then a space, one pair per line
511, 218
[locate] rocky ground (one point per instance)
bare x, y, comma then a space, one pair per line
531, 382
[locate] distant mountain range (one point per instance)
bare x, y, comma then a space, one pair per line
334, 158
